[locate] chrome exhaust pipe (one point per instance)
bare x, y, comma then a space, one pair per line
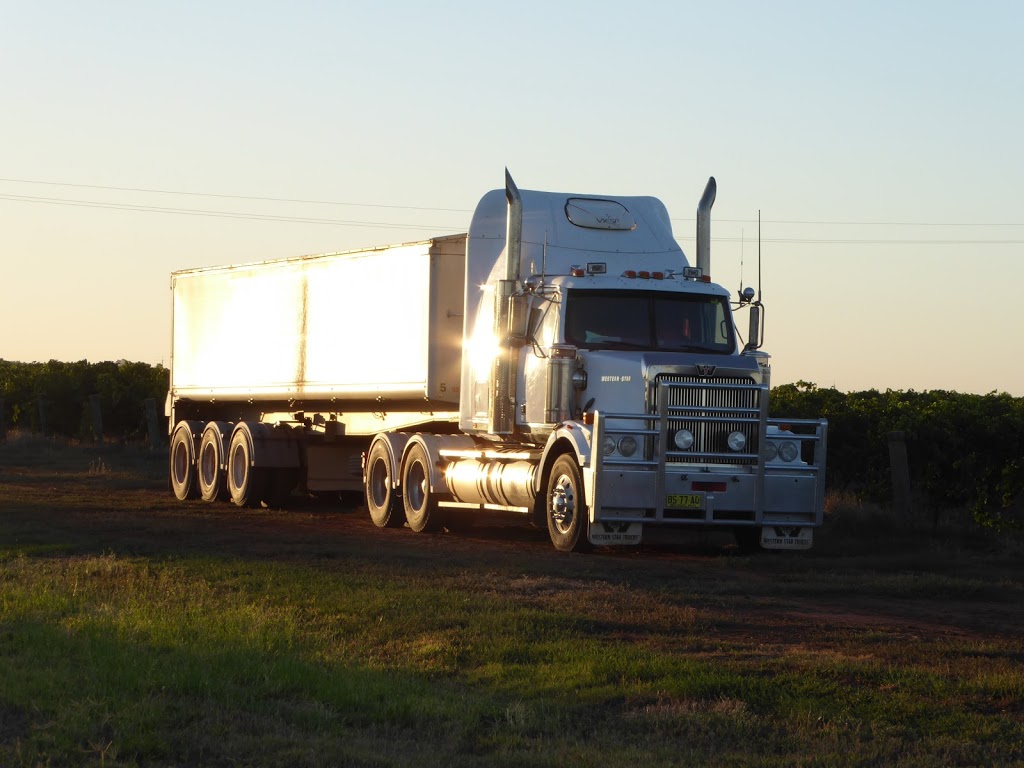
704, 227
514, 232
501, 405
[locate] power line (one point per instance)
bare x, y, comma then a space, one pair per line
231, 197
798, 222
223, 214
449, 228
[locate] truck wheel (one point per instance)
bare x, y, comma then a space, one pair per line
246, 484
420, 504
381, 496
212, 483
567, 514
183, 462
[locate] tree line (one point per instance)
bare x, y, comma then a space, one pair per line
57, 398
964, 450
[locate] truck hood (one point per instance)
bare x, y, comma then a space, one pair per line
618, 380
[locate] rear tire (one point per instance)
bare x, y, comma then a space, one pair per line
567, 513
183, 461
212, 480
381, 495
419, 502
247, 484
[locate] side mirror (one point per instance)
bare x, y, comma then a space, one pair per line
754, 331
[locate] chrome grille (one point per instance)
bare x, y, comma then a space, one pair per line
710, 408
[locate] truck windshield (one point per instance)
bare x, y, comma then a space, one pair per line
656, 320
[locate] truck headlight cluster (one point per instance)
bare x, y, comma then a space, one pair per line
737, 441
786, 451
626, 446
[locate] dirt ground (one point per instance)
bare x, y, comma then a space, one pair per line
904, 586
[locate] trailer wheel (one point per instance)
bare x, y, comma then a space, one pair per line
212, 483
567, 514
183, 462
381, 495
246, 484
420, 504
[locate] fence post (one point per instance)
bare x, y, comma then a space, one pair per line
96, 418
152, 423
900, 469
3, 420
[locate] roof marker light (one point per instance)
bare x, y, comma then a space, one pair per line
629, 273
578, 272
644, 274
658, 275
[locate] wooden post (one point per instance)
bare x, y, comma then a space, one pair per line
900, 469
152, 423
3, 420
96, 418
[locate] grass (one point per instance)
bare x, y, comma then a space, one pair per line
136, 630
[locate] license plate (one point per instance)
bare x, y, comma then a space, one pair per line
684, 501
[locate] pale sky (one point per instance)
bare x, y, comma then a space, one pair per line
883, 144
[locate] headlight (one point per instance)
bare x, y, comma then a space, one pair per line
627, 446
788, 451
737, 441
771, 450
609, 445
683, 439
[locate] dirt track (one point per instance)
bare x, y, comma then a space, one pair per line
774, 598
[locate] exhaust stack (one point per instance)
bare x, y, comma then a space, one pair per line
704, 226
501, 404
514, 233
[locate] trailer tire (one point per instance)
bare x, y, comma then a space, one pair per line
212, 480
183, 470
420, 503
381, 495
247, 484
567, 514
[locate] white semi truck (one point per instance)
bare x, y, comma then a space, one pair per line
562, 361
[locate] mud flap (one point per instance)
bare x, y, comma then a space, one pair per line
786, 537
610, 534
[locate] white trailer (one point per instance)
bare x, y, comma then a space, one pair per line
562, 360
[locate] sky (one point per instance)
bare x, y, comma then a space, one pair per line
880, 143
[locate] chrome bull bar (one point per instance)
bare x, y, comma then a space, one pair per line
732, 487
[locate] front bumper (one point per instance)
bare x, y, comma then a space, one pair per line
657, 492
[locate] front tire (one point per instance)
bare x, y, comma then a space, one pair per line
247, 484
567, 513
419, 501
381, 495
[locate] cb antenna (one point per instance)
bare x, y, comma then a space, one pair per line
758, 255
